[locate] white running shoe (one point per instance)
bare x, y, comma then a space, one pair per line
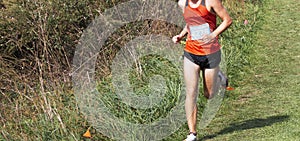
191, 137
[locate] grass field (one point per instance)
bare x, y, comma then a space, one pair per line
267, 105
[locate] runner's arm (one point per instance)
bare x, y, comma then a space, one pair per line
183, 32
223, 14
181, 4
178, 37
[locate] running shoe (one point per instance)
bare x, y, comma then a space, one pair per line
191, 137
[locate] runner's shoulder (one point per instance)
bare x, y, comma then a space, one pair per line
181, 3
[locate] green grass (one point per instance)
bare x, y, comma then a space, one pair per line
266, 108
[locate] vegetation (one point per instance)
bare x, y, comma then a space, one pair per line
37, 44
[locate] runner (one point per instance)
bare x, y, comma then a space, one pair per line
201, 53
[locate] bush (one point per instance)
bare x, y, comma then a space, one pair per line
37, 43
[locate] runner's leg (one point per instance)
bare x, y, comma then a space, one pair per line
211, 81
191, 77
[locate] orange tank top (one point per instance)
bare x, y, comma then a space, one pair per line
199, 16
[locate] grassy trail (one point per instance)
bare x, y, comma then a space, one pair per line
268, 105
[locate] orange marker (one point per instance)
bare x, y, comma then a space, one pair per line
87, 134
228, 88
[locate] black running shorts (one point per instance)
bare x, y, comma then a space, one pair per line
205, 61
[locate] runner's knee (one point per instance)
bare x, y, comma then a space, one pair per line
208, 94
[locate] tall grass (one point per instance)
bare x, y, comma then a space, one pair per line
37, 44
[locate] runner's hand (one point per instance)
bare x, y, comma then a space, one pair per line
176, 39
207, 38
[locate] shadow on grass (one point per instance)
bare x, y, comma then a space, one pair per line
248, 124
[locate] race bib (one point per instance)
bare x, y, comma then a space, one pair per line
199, 30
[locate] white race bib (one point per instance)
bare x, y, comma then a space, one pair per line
198, 31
